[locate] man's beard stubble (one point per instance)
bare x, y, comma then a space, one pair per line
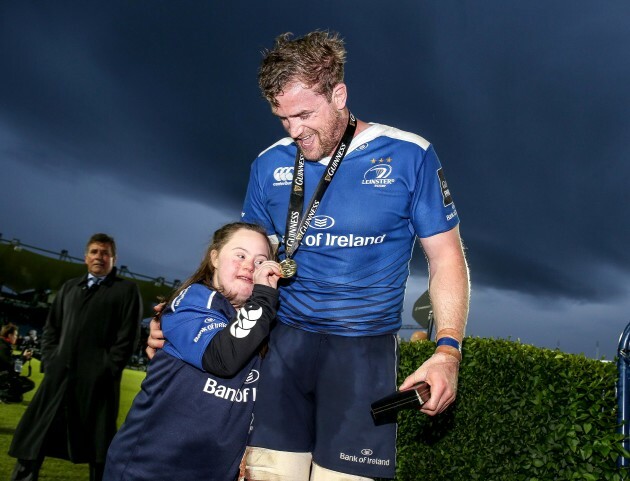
330, 138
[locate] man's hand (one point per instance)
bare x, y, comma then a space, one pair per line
440, 371
156, 337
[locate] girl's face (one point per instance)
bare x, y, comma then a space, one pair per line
234, 264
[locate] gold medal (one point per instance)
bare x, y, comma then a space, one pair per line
288, 267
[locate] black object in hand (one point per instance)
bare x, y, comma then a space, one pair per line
385, 409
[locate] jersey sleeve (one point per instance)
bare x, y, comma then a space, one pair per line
254, 207
231, 348
433, 209
194, 318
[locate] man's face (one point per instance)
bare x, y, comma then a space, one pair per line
99, 259
316, 124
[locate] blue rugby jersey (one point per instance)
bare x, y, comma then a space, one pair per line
186, 423
193, 318
353, 260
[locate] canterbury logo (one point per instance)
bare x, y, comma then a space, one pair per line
283, 174
248, 315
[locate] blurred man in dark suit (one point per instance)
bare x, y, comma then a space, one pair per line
90, 334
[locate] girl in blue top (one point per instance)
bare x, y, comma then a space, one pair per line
192, 416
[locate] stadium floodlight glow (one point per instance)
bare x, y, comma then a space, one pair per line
16, 245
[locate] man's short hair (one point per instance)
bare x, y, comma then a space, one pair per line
317, 60
102, 239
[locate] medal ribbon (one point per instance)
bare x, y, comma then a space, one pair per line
297, 224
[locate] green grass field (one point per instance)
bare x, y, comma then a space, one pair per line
56, 469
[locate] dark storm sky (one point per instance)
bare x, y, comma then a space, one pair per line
140, 118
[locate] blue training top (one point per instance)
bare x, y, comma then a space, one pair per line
353, 262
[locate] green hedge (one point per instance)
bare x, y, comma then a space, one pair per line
522, 413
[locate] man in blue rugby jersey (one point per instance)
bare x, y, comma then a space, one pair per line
344, 201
